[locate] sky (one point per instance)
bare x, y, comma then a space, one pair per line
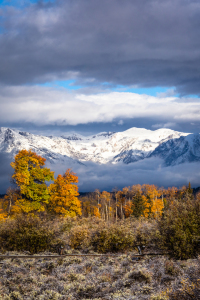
104, 65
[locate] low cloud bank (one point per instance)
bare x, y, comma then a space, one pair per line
149, 171
106, 177
6, 172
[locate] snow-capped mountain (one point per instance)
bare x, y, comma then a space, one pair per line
108, 147
181, 150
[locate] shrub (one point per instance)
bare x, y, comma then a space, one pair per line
189, 290
79, 237
171, 268
26, 233
140, 275
112, 239
98, 235
87, 291
180, 228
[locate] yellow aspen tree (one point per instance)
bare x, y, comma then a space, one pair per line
127, 202
147, 207
154, 201
171, 193
106, 197
115, 190
3, 214
96, 212
63, 195
121, 201
98, 200
128, 209
125, 191
135, 189
10, 202
30, 175
87, 210
157, 207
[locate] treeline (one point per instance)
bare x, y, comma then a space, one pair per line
32, 195
144, 200
36, 216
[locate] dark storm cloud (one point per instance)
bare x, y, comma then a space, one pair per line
5, 172
150, 171
108, 176
131, 42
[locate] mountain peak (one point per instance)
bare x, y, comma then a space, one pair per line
107, 147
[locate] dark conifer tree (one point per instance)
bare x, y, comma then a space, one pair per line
138, 205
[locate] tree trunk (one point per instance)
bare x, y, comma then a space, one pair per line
106, 213
116, 210
122, 214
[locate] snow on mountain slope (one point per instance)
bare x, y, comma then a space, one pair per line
107, 147
181, 150
53, 149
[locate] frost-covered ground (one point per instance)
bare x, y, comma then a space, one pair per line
118, 277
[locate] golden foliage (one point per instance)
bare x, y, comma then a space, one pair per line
63, 195
3, 215
96, 212
31, 176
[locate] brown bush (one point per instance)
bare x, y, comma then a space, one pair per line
27, 233
171, 268
79, 237
101, 236
112, 239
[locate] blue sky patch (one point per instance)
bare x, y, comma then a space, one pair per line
68, 84
22, 3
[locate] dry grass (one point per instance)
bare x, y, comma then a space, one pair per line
117, 278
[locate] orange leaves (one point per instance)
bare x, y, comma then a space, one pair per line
3, 215
63, 195
97, 213
140, 200
128, 209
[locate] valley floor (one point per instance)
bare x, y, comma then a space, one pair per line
117, 277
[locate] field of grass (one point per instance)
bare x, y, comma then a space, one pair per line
117, 277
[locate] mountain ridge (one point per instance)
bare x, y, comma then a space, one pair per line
127, 147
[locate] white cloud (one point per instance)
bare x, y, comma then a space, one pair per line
164, 125
47, 105
121, 122
168, 93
